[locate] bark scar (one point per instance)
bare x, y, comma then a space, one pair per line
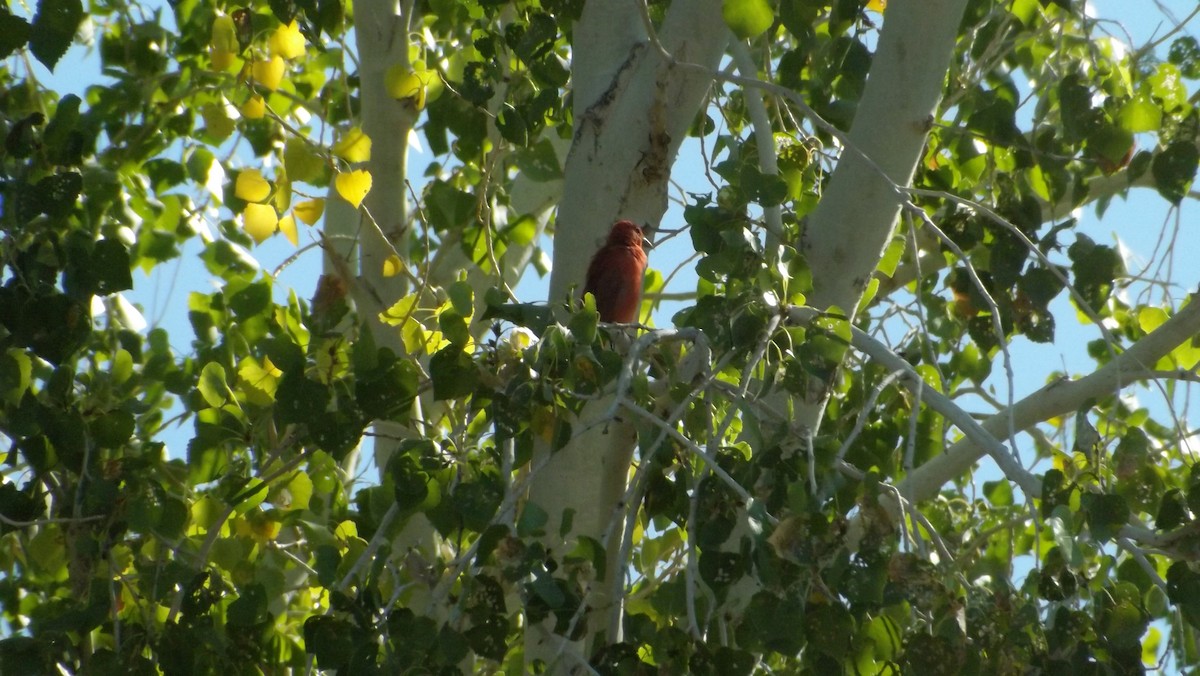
594, 116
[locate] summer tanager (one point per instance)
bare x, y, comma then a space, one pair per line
614, 276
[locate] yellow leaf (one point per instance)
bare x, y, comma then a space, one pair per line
353, 186
417, 338
309, 211
268, 73
287, 42
282, 197
287, 225
254, 108
251, 186
221, 60
877, 5
405, 83
392, 266
260, 221
257, 526
355, 146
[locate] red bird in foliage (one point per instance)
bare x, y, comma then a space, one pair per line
614, 276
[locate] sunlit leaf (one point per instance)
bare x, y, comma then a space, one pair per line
287, 42
309, 211
354, 146
392, 266
287, 225
254, 108
268, 73
346, 530
409, 84
353, 186
212, 385
260, 221
747, 18
1140, 115
251, 186
300, 490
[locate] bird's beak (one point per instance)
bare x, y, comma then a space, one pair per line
647, 244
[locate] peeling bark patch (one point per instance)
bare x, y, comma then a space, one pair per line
653, 168
653, 164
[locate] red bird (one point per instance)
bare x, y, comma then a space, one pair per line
614, 276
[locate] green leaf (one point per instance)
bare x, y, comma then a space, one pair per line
247, 299
1024, 10
462, 297
538, 161
449, 208
113, 429
747, 18
1174, 168
1185, 53
299, 400
18, 505
454, 328
453, 372
54, 195
1140, 115
16, 375
1183, 588
213, 386
387, 393
999, 493
829, 628
250, 608
62, 139
111, 267
1167, 87
1105, 513
54, 28
326, 560
452, 646
532, 521
330, 640
14, 32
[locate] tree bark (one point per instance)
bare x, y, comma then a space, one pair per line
632, 110
848, 231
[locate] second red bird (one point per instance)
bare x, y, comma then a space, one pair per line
615, 274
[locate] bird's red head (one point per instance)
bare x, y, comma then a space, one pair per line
625, 233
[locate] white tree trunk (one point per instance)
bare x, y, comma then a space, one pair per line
851, 226
632, 109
